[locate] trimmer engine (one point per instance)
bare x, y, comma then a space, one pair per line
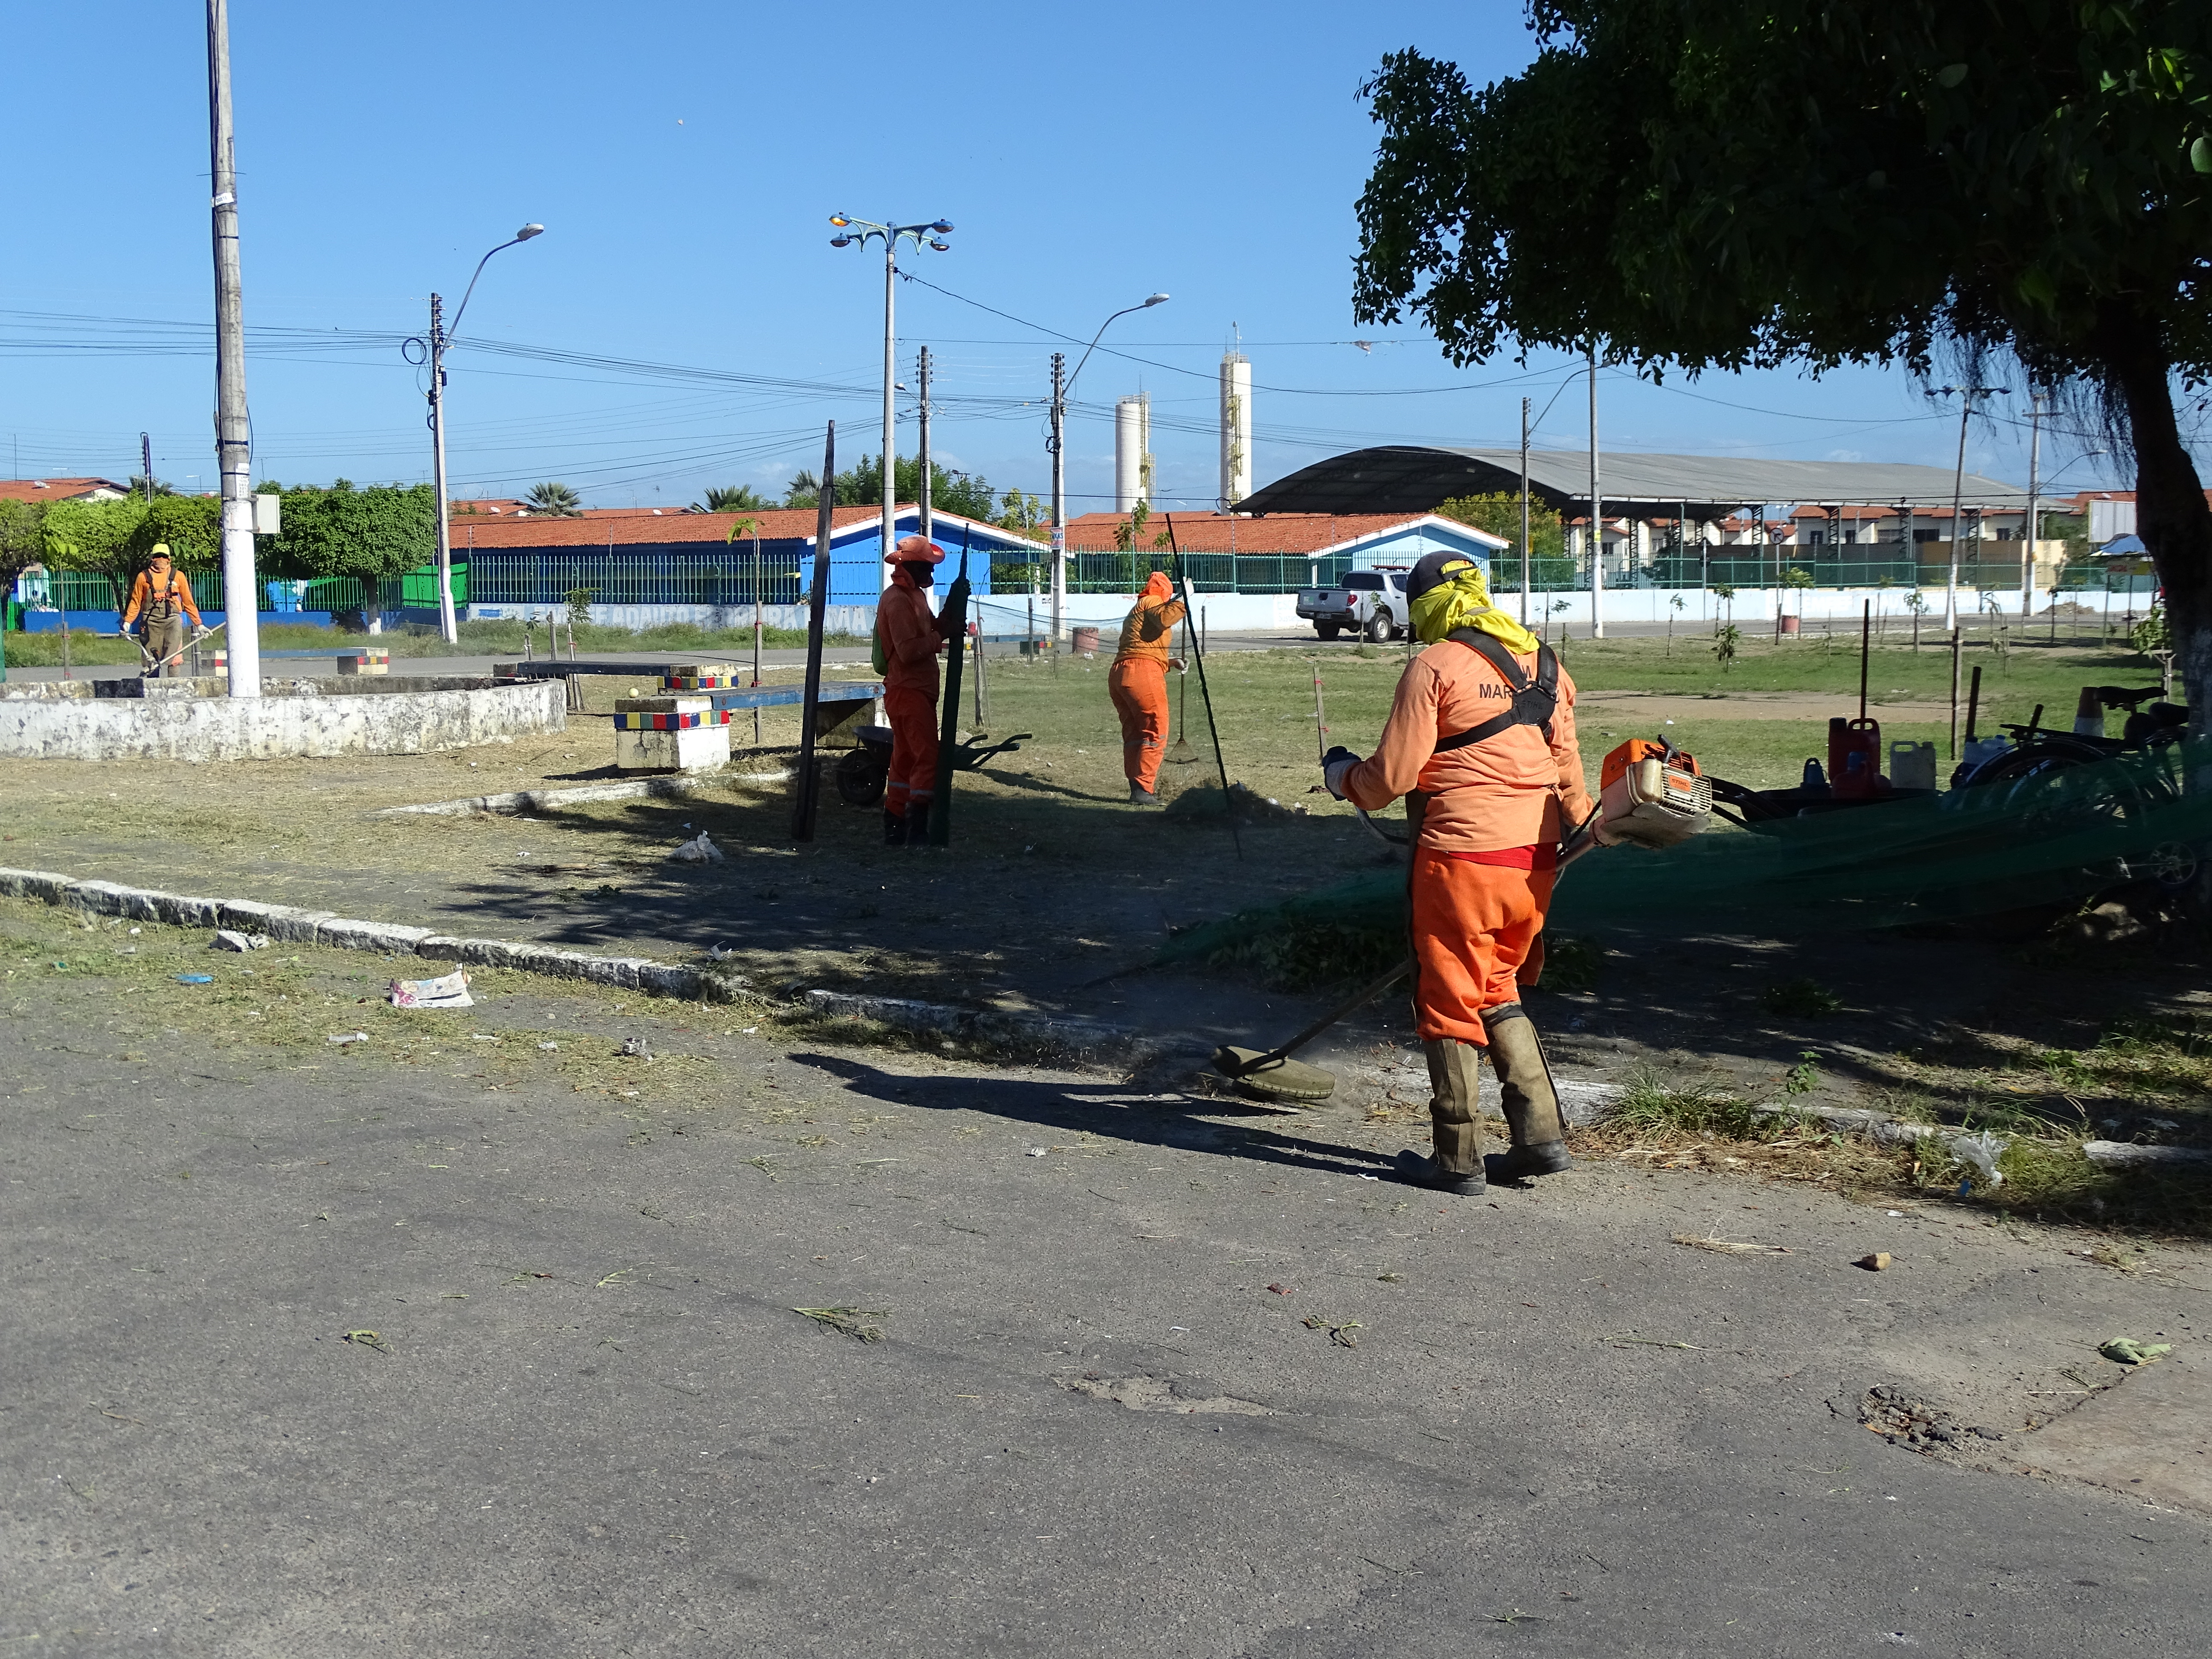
1653, 794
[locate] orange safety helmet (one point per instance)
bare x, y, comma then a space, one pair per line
1157, 587
913, 549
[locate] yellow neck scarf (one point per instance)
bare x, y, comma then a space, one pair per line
1464, 602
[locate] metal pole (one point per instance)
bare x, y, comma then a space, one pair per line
1059, 495
2034, 505
923, 497
1597, 516
447, 628
1524, 512
234, 430
890, 465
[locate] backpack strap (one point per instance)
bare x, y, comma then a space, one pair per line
1535, 701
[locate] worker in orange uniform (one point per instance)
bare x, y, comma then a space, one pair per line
907, 640
1480, 742
166, 597
1138, 685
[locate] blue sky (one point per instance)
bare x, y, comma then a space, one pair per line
685, 158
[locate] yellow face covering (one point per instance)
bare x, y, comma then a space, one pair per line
1463, 600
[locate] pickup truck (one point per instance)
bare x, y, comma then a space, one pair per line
1371, 603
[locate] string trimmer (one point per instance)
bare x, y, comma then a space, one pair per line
1653, 794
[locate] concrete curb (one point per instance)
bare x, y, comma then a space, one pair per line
296, 926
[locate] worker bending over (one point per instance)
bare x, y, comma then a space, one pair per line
166, 597
907, 640
1138, 685
1480, 742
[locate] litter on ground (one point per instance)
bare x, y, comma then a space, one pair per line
195, 979
230, 939
701, 849
447, 991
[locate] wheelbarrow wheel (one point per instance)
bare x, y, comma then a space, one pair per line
862, 776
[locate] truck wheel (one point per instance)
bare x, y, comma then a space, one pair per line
1381, 630
1326, 630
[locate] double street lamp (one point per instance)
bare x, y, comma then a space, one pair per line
1055, 445
433, 349
859, 233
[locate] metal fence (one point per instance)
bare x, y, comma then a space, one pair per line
529, 577
88, 590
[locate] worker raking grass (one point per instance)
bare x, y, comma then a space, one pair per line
1139, 685
907, 642
1480, 743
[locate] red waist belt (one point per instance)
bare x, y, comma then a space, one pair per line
1537, 855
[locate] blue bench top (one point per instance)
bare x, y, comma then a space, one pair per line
772, 696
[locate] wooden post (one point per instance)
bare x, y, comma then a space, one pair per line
802, 811
952, 616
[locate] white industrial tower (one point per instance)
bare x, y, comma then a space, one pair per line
1133, 452
1236, 429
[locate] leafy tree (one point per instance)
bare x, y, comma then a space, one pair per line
1019, 512
1665, 184
97, 536
368, 534
734, 498
22, 540
555, 501
1499, 513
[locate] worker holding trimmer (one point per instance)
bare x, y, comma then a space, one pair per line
908, 642
162, 593
1139, 685
1480, 742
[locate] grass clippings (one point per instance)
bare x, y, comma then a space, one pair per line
851, 1322
1339, 1331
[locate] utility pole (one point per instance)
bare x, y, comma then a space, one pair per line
1597, 516
889, 535
146, 465
923, 497
234, 430
1524, 514
2034, 505
1966, 396
449, 629
1056, 443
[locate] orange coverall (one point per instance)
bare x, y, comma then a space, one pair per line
908, 629
1489, 820
1137, 682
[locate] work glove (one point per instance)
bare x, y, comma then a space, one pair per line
1333, 765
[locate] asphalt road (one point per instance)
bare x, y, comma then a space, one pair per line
1180, 1385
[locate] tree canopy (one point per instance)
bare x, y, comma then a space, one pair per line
950, 491
370, 533
1700, 183
555, 501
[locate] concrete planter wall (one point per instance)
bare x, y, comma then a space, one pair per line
190, 728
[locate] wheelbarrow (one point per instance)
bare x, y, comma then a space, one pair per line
866, 772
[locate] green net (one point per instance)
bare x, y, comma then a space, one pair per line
2051, 835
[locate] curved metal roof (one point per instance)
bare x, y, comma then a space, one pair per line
1416, 478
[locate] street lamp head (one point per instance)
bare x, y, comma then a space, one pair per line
529, 231
840, 241
839, 220
940, 246
1157, 300
943, 228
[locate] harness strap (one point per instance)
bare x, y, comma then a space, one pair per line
1535, 701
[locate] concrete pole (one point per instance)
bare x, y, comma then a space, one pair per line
448, 627
922, 446
1958, 495
1059, 494
890, 367
234, 430
1597, 516
1524, 512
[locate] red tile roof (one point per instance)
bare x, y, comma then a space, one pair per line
55, 489
634, 527
1227, 532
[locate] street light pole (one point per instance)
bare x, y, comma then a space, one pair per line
233, 434
433, 347
1061, 386
859, 233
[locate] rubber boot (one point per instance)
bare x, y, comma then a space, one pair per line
1525, 1092
1141, 796
917, 824
894, 827
1456, 1164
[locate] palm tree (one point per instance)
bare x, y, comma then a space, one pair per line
735, 498
555, 501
